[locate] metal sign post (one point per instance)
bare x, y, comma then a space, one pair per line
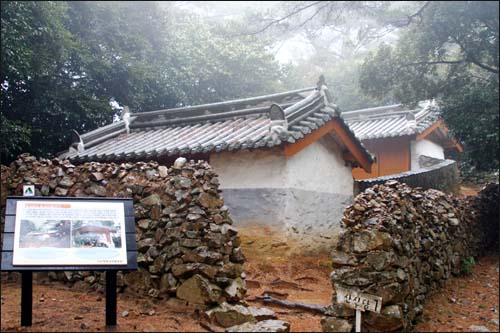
360, 302
358, 320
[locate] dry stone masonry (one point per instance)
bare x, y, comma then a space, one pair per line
187, 245
402, 244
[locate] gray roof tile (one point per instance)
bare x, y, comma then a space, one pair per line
231, 125
390, 121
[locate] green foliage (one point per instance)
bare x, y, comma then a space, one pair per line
451, 54
467, 265
62, 62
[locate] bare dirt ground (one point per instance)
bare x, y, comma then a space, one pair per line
465, 301
469, 189
273, 266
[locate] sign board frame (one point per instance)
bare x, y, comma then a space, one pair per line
69, 233
27, 270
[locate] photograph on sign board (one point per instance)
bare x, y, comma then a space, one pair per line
45, 233
96, 234
73, 233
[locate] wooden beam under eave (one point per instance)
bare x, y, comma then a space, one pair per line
442, 125
294, 148
429, 130
348, 156
352, 146
457, 145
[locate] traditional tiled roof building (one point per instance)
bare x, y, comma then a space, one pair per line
398, 136
284, 160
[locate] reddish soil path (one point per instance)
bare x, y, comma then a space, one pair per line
465, 301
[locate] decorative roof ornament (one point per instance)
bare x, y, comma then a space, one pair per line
279, 125
126, 118
327, 96
77, 144
411, 122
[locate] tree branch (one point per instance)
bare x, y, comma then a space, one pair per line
310, 18
438, 62
469, 57
473, 60
409, 18
273, 22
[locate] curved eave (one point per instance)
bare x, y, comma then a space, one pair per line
337, 125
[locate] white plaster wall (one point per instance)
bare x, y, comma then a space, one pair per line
424, 147
250, 169
303, 195
320, 167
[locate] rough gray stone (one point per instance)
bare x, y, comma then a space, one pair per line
475, 328
163, 170
338, 310
236, 290
153, 199
199, 290
369, 240
167, 282
389, 319
96, 190
66, 182
379, 260
61, 191
343, 259
262, 326
227, 315
332, 324
262, 313
138, 281
179, 163
209, 201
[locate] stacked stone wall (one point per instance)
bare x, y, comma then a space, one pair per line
402, 244
187, 245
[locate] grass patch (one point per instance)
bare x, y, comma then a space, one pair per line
468, 265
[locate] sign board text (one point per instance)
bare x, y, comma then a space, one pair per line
359, 301
63, 232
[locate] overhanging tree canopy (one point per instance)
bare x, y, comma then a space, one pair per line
62, 62
450, 53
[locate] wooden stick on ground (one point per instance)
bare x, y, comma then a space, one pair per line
288, 284
291, 305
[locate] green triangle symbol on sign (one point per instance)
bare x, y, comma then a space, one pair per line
29, 191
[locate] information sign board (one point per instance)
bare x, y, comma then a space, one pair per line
68, 234
73, 233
